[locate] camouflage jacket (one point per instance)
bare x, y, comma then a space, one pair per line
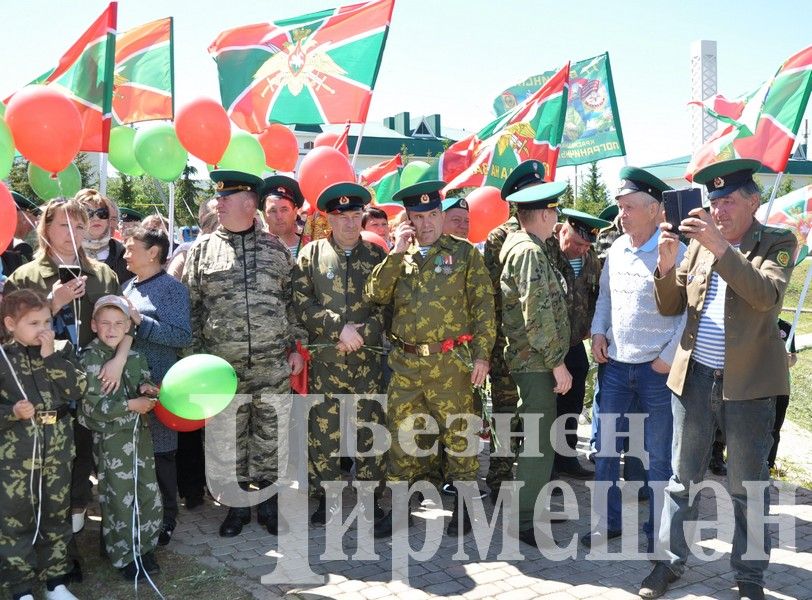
439, 297
493, 246
241, 299
581, 291
109, 413
49, 383
328, 289
534, 311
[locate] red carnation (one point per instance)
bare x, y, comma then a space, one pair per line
447, 345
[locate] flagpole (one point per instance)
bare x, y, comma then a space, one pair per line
358, 144
103, 173
772, 196
171, 217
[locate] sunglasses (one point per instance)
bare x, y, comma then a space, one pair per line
102, 213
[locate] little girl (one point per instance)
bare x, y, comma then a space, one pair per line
38, 377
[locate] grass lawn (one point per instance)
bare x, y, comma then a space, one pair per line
800, 404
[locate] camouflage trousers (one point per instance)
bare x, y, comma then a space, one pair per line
324, 422
22, 560
257, 431
438, 385
121, 493
504, 398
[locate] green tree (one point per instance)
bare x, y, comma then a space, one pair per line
188, 193
592, 195
18, 179
785, 186
90, 175
567, 198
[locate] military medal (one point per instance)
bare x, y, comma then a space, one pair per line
438, 262
448, 262
330, 273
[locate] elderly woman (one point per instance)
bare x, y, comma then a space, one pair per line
60, 233
98, 241
161, 314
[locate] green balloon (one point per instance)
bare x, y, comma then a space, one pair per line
198, 387
66, 183
6, 149
121, 152
159, 152
244, 153
412, 172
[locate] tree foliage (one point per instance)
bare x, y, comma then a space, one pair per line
592, 194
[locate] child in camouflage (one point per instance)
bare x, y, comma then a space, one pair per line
38, 377
122, 445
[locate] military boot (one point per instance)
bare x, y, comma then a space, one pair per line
234, 521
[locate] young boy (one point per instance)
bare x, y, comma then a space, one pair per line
128, 487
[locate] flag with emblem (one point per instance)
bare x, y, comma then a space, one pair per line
532, 129
312, 69
592, 126
383, 179
85, 75
762, 125
143, 84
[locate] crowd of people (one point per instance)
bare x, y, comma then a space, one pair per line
96, 310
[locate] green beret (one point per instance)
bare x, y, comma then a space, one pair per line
282, 186
341, 197
530, 172
231, 182
633, 180
544, 195
24, 203
585, 224
725, 177
421, 197
128, 215
450, 203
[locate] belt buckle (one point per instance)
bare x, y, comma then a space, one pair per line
422, 349
46, 417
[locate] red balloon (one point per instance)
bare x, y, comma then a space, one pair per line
486, 210
8, 217
281, 147
329, 140
46, 126
174, 422
392, 210
371, 236
204, 129
323, 167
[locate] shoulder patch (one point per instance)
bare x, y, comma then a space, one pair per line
782, 258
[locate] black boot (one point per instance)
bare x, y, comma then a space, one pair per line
320, 516
234, 521
454, 524
272, 517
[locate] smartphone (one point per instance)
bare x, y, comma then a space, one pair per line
678, 203
69, 272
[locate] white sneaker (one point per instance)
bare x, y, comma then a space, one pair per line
78, 521
60, 593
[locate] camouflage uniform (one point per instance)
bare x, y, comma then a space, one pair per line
535, 322
582, 294
503, 390
49, 384
436, 298
327, 293
242, 311
122, 439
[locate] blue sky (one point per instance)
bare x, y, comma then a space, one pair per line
454, 56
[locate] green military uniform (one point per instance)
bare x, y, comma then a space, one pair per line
328, 286
504, 396
435, 299
121, 442
49, 383
241, 307
537, 330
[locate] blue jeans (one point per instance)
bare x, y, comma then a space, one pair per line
632, 466
747, 427
626, 389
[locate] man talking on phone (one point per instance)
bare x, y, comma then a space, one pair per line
443, 329
730, 364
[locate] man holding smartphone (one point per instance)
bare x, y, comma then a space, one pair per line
442, 330
729, 366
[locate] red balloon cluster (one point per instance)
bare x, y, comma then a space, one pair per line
329, 140
281, 147
8, 217
204, 129
321, 168
46, 126
486, 211
174, 422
